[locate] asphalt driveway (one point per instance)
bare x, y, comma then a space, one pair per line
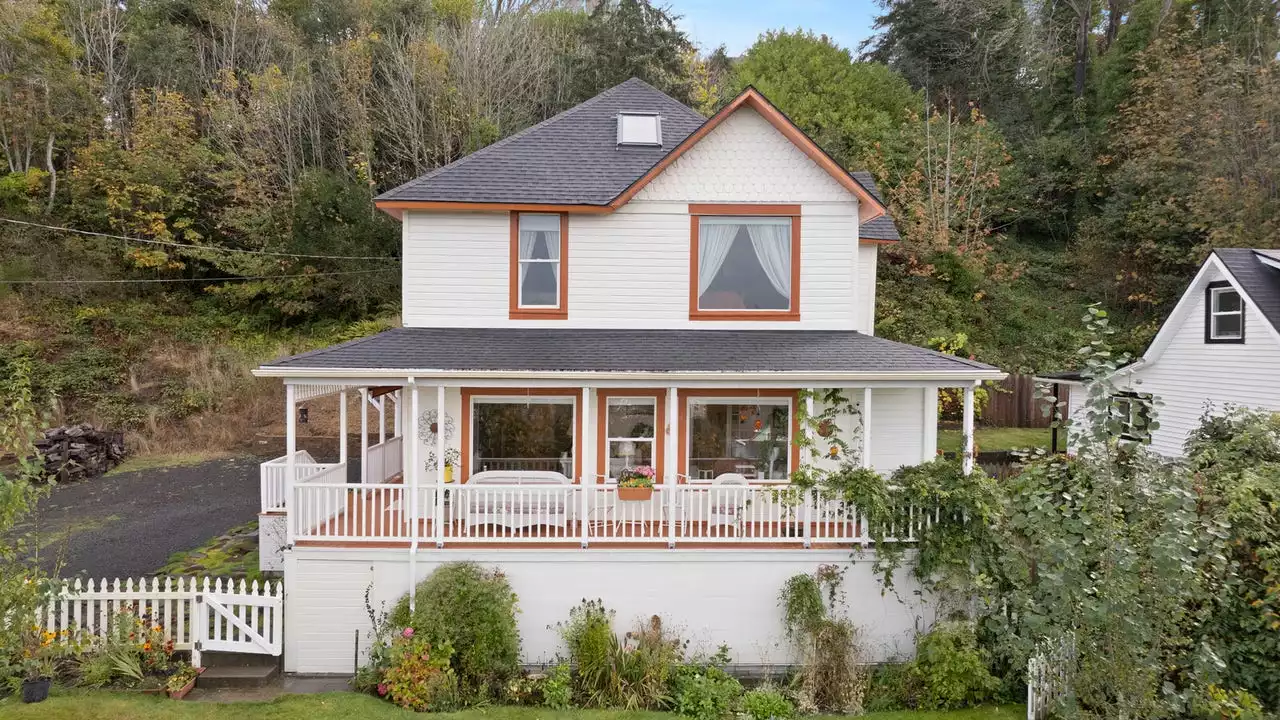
127, 525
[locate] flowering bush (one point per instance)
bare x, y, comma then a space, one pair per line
417, 676
636, 477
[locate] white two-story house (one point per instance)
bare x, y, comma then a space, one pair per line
627, 284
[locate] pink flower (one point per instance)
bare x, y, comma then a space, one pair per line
382, 689
408, 632
645, 470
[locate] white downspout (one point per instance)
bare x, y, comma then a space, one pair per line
290, 463
364, 435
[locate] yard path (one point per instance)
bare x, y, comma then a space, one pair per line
128, 524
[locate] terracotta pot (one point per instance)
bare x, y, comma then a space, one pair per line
635, 493
34, 691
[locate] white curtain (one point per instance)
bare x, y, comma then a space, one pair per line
714, 241
527, 240
772, 244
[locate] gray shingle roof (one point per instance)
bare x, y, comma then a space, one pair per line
570, 159
882, 228
1259, 281
590, 350
574, 159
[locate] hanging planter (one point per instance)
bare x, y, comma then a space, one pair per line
825, 428
636, 484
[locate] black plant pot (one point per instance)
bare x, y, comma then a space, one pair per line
34, 691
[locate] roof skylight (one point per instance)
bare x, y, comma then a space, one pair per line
639, 129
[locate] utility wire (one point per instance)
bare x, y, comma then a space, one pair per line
195, 280
188, 246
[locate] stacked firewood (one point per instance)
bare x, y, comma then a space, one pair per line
77, 452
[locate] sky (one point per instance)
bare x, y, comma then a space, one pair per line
737, 23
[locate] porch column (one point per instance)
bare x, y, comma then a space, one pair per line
584, 442
395, 428
411, 477
968, 429
929, 425
290, 449
364, 435
342, 426
437, 514
671, 452
382, 419
866, 427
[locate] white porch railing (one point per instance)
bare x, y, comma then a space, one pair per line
580, 515
305, 468
385, 460
350, 512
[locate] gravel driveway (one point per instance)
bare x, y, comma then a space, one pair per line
127, 525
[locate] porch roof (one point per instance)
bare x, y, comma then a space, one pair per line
420, 351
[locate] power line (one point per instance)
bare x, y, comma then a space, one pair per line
195, 280
188, 246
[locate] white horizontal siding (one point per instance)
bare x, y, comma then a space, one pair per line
708, 597
630, 269
1191, 373
865, 289
897, 428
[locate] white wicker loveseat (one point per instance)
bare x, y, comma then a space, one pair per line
517, 499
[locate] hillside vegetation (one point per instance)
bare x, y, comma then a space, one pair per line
1036, 156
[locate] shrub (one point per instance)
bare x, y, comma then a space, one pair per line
635, 674
766, 703
949, 671
887, 688
1217, 703
831, 677
557, 688
472, 610
419, 677
704, 690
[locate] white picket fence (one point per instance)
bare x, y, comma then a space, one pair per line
197, 614
1049, 676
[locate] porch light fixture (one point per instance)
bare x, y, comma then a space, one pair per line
302, 416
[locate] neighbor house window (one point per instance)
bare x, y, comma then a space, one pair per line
539, 246
1224, 314
745, 266
1131, 415
751, 438
522, 434
630, 433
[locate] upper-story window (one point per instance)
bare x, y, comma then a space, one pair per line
1224, 314
539, 256
745, 266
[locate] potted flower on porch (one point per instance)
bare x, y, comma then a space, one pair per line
636, 483
452, 459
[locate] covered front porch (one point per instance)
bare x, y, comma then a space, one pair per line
520, 436
463, 465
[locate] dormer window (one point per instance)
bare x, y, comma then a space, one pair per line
1224, 314
640, 129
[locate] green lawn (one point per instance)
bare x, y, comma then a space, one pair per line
988, 439
125, 706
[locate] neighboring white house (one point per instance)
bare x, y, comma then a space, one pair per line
627, 283
1220, 347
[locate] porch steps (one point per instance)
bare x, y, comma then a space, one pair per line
230, 670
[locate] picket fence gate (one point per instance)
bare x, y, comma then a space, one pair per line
197, 614
1049, 675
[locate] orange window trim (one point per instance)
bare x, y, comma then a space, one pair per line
682, 447
602, 428
468, 394
697, 211
519, 313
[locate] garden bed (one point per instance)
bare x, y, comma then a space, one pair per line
122, 706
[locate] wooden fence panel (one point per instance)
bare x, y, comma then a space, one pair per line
1012, 402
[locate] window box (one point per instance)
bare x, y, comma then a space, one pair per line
635, 494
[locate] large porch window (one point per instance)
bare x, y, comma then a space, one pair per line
751, 438
533, 433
